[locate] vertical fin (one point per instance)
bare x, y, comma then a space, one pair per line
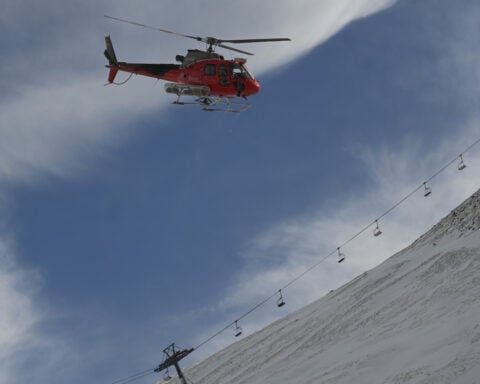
112, 59
109, 52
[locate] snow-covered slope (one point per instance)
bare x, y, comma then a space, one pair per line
413, 319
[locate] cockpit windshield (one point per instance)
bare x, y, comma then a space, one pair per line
241, 72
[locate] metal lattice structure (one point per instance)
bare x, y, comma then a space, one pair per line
172, 356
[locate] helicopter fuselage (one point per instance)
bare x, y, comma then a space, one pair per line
202, 71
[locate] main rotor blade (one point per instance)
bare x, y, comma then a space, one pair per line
219, 43
154, 28
246, 41
211, 41
235, 49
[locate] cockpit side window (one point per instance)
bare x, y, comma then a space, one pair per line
222, 71
210, 69
239, 72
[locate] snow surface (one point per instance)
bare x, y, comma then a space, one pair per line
413, 319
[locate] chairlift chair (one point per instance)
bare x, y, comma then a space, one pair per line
238, 329
377, 232
341, 256
280, 301
166, 376
427, 191
461, 165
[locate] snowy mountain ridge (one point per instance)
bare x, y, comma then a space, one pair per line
415, 318
463, 219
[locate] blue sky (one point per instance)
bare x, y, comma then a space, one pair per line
127, 223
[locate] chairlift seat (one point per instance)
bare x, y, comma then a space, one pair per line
427, 190
238, 329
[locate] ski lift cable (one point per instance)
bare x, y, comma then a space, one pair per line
454, 160
134, 377
442, 169
229, 325
471, 146
406, 197
215, 335
309, 269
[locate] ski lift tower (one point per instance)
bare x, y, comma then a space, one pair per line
171, 357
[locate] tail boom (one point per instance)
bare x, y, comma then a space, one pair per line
169, 72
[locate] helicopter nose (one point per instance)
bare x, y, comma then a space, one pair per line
255, 87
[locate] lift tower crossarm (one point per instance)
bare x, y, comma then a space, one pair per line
172, 357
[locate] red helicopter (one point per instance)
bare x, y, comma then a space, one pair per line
206, 75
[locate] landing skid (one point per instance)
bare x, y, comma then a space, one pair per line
217, 104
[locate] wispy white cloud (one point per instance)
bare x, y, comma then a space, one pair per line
18, 310
20, 314
59, 128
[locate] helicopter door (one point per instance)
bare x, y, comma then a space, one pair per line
240, 74
223, 75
